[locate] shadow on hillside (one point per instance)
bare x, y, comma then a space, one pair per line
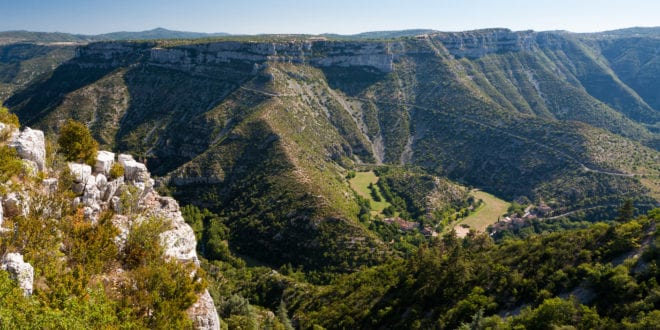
352, 81
40, 99
175, 115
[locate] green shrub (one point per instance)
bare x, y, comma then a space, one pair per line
10, 164
77, 144
143, 242
116, 171
8, 118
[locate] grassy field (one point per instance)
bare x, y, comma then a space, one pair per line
487, 214
360, 183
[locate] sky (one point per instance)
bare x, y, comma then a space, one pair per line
331, 16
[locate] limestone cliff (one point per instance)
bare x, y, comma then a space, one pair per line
98, 192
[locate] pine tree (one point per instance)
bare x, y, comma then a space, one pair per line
77, 144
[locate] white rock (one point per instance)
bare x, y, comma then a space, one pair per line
78, 188
203, 313
30, 144
80, 171
21, 271
91, 196
123, 158
50, 184
115, 203
104, 161
12, 205
135, 171
179, 242
112, 189
101, 181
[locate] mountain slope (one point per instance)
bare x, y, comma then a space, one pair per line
263, 132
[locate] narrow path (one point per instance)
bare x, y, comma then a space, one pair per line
476, 122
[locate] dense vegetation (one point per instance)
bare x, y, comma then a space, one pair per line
601, 277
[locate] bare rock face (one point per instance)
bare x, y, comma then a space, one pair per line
104, 161
30, 145
133, 170
81, 172
19, 270
203, 313
13, 205
180, 243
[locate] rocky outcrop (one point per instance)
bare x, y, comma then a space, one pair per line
479, 43
133, 170
19, 270
179, 241
30, 145
104, 161
97, 193
203, 313
378, 56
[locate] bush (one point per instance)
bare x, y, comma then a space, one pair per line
10, 164
8, 118
143, 242
77, 144
116, 171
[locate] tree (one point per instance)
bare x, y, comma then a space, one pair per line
626, 211
77, 144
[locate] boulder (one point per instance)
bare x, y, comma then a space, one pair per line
12, 205
123, 158
104, 161
19, 270
135, 171
30, 145
80, 172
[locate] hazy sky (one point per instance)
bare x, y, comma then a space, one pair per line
336, 16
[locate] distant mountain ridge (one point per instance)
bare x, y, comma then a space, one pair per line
163, 34
49, 37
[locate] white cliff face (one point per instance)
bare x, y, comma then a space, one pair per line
379, 56
30, 145
476, 44
19, 270
203, 313
179, 241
